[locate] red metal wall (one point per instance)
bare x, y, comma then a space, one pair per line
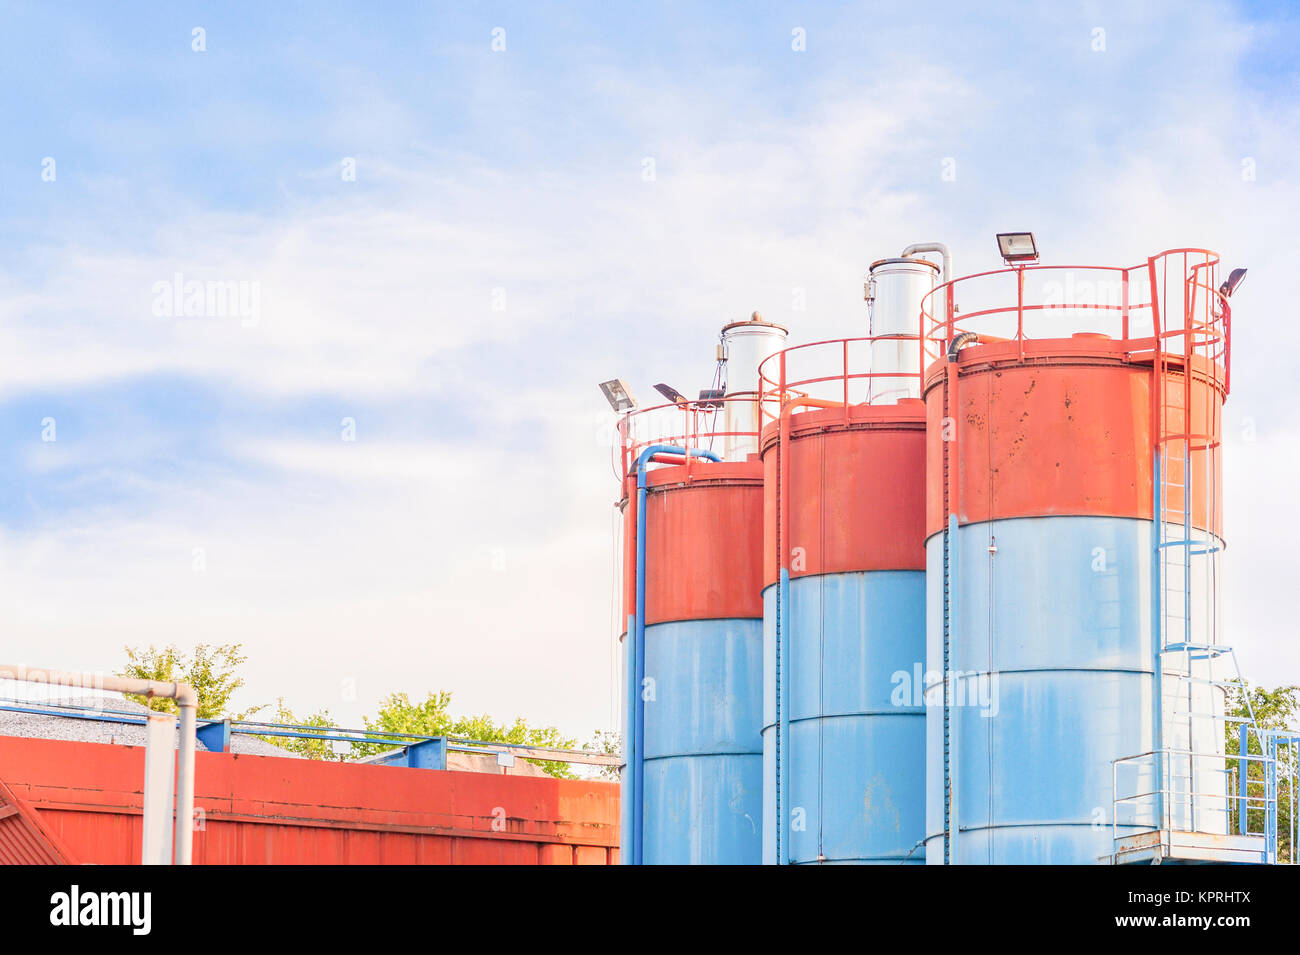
270, 810
25, 839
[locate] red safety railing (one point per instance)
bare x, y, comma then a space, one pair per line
1138, 306
820, 372
1170, 304
724, 426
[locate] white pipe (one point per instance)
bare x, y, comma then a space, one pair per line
933, 247
941, 316
185, 698
185, 775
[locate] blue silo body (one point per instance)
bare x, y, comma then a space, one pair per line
1056, 600
844, 637
857, 725
693, 725
704, 775
1059, 687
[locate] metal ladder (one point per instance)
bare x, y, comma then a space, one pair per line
1197, 773
1190, 685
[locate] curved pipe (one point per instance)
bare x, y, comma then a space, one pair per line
186, 699
933, 247
946, 256
636, 658
959, 341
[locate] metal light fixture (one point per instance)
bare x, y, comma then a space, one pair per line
618, 394
1235, 278
1017, 247
671, 393
711, 397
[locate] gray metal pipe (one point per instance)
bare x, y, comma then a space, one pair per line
186, 699
946, 256
933, 247
185, 774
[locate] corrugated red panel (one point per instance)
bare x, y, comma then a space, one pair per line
270, 810
24, 838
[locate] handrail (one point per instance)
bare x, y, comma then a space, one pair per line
1177, 809
1205, 315
325, 733
696, 425
777, 387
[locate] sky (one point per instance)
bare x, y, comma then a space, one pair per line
373, 452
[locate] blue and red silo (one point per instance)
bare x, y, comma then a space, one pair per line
914, 597
693, 647
844, 585
702, 792
1051, 588
844, 612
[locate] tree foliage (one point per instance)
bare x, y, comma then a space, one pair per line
212, 669
432, 717
309, 748
609, 742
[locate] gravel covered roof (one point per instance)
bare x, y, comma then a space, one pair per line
87, 721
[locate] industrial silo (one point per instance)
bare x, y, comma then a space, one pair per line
1055, 595
844, 589
693, 527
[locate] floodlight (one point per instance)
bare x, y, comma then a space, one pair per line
1017, 247
1234, 280
671, 393
618, 394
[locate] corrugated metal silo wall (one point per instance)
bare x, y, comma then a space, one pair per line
704, 639
856, 637
1051, 638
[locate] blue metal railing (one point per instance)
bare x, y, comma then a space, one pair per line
411, 749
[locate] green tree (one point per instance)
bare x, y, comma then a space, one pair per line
310, 748
212, 670
1273, 710
609, 742
432, 717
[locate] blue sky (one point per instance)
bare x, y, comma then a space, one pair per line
462, 540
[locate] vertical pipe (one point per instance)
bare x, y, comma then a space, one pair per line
187, 700
779, 628
782, 596
185, 783
1124, 305
636, 759
638, 674
1020, 312
631, 813
783, 717
951, 381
